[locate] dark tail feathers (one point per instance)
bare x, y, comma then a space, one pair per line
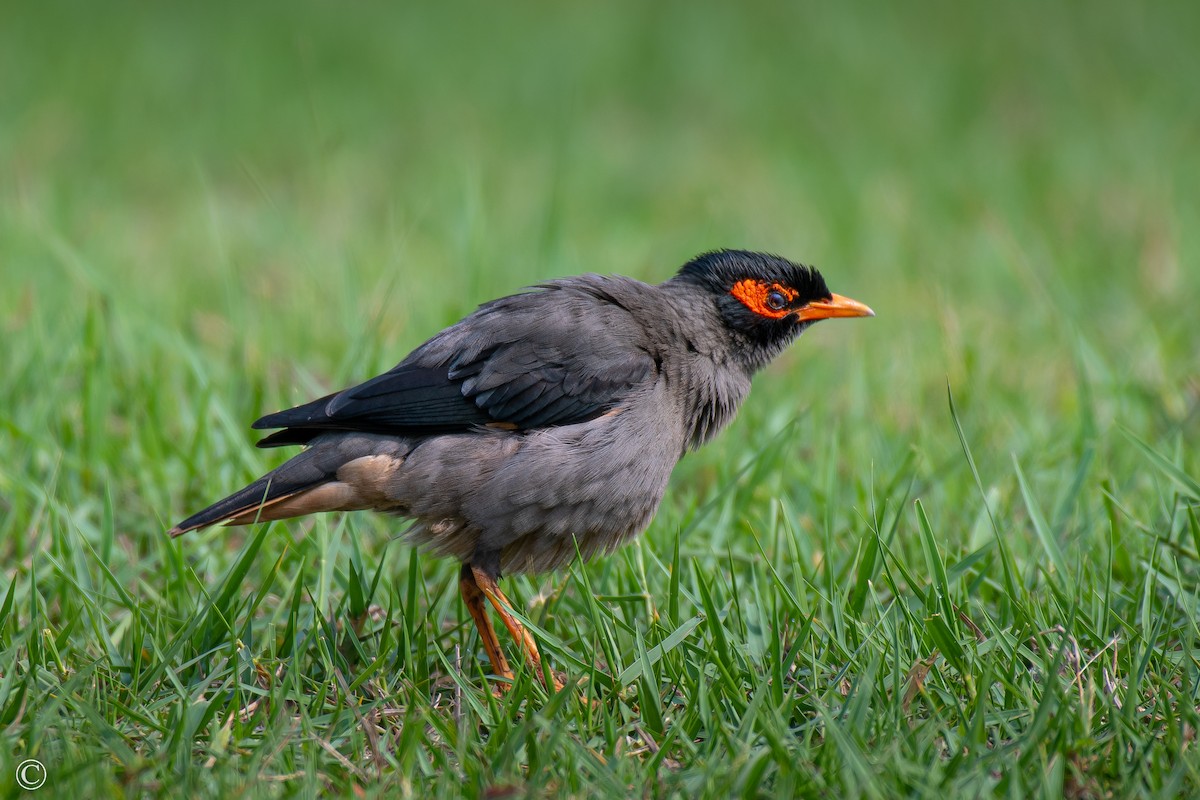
306, 470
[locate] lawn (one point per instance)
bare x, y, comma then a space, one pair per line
952, 551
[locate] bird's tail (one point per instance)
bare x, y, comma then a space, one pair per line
338, 473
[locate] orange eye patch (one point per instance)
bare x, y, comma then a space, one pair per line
755, 295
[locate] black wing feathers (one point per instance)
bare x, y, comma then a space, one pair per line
515, 362
407, 400
408, 397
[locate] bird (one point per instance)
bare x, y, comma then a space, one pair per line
544, 425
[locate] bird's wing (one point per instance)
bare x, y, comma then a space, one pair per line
527, 361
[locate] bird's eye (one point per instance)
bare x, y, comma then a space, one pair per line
776, 300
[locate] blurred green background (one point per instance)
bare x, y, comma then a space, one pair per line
297, 178
291, 181
211, 211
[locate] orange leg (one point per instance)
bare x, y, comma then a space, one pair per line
474, 597
486, 583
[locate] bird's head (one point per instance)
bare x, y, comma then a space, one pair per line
766, 301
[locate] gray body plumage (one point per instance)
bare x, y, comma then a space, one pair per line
543, 424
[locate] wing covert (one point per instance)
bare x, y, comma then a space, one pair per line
509, 363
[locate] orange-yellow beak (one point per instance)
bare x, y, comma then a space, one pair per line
836, 306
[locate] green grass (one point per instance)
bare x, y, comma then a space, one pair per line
863, 588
